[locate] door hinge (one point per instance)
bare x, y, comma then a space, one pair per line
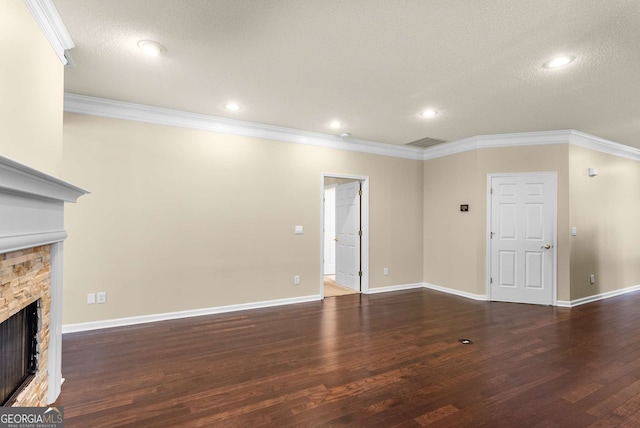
360, 192
490, 280
360, 232
360, 273
492, 233
491, 191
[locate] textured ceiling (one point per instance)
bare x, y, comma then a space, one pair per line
372, 64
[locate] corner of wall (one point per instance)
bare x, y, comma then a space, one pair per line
604, 210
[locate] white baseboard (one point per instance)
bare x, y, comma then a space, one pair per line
596, 297
395, 288
429, 286
120, 322
455, 292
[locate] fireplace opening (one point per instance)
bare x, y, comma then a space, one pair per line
18, 352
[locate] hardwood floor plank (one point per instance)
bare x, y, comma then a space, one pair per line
381, 360
431, 417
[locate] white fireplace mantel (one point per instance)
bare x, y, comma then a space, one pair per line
32, 214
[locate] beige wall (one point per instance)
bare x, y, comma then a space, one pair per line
181, 219
606, 212
455, 244
31, 91
451, 257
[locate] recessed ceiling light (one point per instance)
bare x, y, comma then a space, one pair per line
559, 61
151, 48
232, 106
429, 113
336, 124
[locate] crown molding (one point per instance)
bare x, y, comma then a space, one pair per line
541, 138
47, 17
598, 144
498, 140
102, 107
161, 116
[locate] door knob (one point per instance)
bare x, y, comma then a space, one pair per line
335, 239
547, 246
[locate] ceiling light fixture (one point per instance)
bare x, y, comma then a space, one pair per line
429, 113
151, 48
345, 135
559, 61
232, 106
336, 124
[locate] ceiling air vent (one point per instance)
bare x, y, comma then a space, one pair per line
425, 142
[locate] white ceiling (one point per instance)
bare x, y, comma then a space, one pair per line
372, 64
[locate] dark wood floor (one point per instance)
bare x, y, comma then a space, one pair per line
381, 360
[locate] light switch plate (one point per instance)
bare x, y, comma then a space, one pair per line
574, 231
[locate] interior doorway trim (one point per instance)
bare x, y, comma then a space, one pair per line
364, 224
554, 176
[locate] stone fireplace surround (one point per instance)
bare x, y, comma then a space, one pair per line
32, 221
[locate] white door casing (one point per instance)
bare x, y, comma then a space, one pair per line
522, 237
347, 235
330, 230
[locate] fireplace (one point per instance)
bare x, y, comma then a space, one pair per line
31, 250
19, 338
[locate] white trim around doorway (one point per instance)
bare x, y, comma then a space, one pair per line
364, 224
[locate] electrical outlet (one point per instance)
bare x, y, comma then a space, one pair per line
296, 280
592, 279
102, 297
91, 298
386, 271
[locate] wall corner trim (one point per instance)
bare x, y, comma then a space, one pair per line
143, 319
49, 21
83, 104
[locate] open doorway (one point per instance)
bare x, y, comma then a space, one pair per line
344, 243
331, 288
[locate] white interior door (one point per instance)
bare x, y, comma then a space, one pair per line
522, 241
347, 235
330, 230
